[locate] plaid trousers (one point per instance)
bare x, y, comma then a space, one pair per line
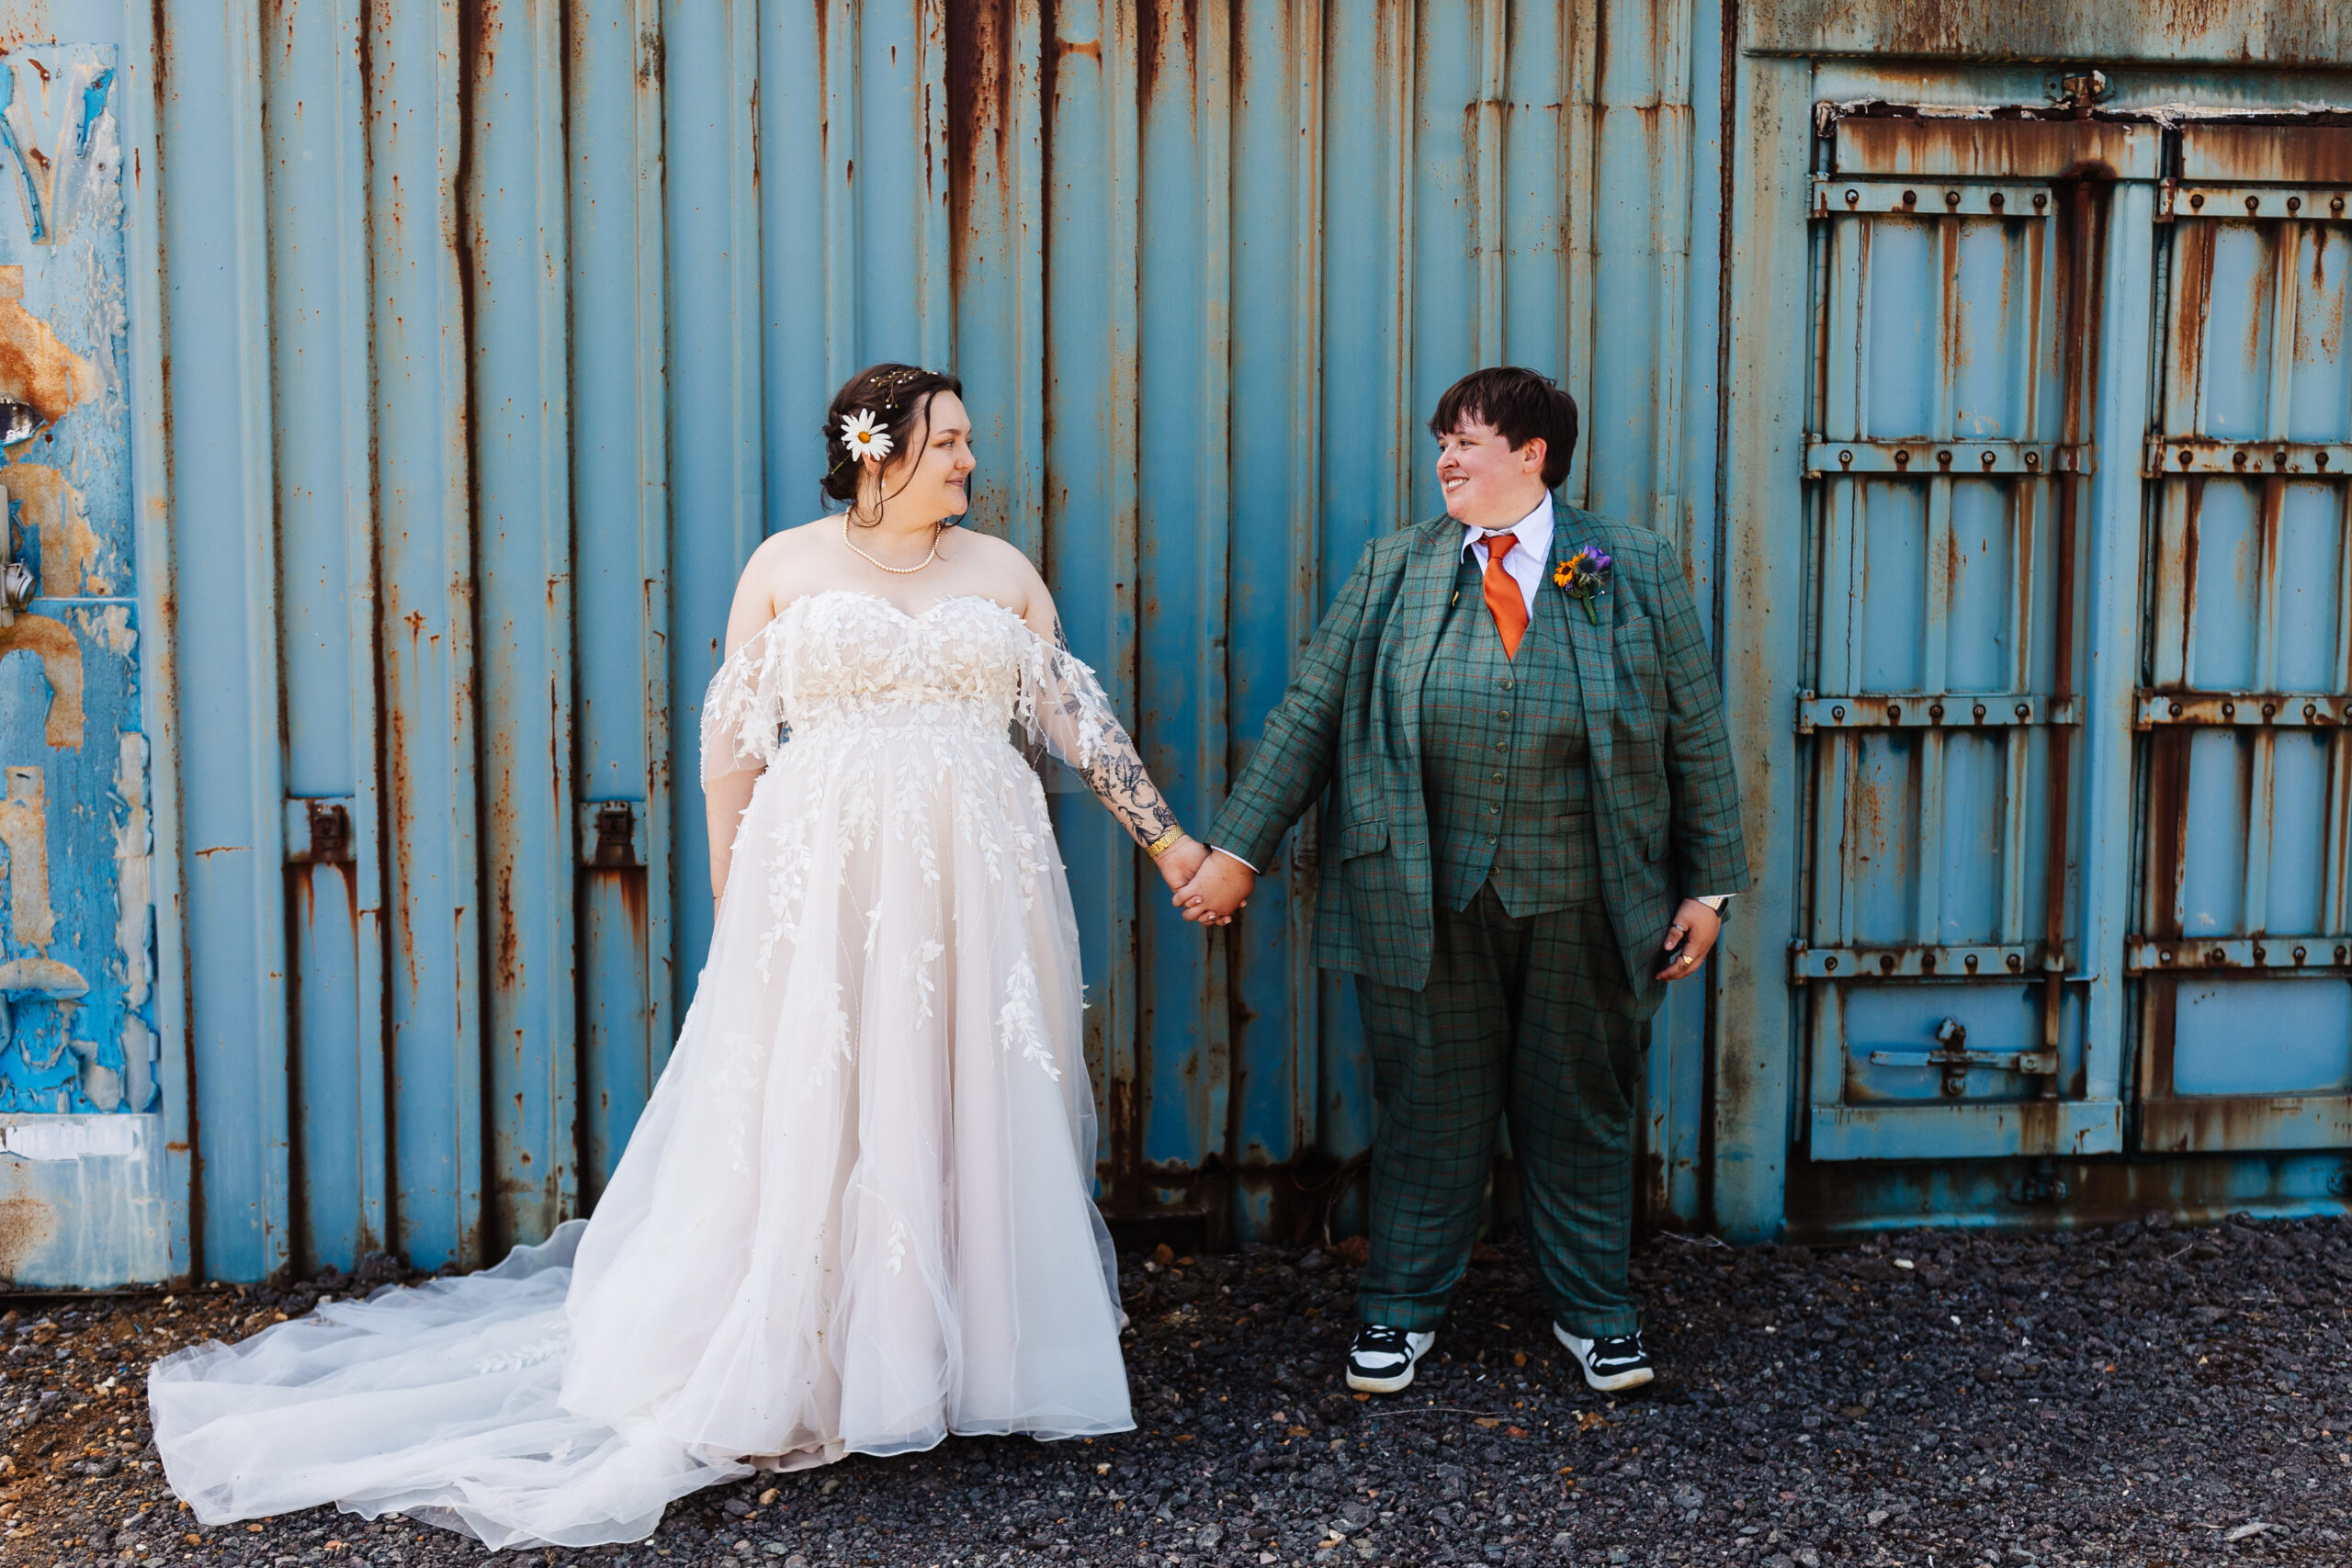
1531, 1019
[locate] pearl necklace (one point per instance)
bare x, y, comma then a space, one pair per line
894, 570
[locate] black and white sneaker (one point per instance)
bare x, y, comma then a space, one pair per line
1381, 1361
1611, 1362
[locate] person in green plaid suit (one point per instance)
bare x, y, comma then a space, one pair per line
1532, 827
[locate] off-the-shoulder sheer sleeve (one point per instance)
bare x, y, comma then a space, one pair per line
1062, 707
743, 713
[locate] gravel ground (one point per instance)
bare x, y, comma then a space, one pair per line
2146, 1396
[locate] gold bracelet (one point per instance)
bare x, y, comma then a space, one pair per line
1165, 842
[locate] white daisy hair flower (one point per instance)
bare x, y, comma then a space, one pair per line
863, 436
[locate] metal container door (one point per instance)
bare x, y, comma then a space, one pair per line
2246, 947
1958, 266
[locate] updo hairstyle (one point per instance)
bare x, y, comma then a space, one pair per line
898, 396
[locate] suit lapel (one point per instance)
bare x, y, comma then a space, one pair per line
1429, 582
1588, 638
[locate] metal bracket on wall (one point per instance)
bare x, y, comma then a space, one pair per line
1947, 459
2196, 455
1907, 962
1928, 197
2240, 203
2158, 955
1930, 710
612, 834
318, 829
2283, 710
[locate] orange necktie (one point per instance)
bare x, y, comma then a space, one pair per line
1502, 594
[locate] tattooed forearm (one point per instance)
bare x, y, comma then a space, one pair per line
1119, 780
1077, 720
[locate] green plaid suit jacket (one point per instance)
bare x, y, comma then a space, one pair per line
1666, 804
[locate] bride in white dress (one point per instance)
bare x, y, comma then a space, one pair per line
854, 1216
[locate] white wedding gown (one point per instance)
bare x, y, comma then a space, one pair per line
855, 1215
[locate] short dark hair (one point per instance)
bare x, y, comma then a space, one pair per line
1519, 403
897, 396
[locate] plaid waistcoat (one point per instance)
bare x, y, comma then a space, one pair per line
1657, 761
1503, 759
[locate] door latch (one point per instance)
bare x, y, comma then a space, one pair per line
1952, 1055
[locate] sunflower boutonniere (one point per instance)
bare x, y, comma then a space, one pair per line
1584, 577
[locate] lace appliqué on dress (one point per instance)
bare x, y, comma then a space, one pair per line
530, 1353
1020, 1022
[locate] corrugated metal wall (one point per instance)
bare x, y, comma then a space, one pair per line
522, 320
494, 337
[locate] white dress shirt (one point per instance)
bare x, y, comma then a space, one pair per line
1530, 557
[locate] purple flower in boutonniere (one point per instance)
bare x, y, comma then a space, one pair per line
1584, 577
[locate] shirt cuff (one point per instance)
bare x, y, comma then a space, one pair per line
1714, 901
1221, 850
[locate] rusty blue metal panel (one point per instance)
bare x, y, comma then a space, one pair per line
1452, 303
520, 378
621, 571
1766, 305
141, 105
1277, 594
1369, 453
900, 186
805, 268
1684, 92
995, 215
433, 883
315, 147
1186, 501
1090, 556
710, 51
225, 582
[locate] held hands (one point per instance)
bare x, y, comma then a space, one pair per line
1689, 939
1180, 860
1208, 887
1220, 887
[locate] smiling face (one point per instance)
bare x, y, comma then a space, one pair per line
931, 481
1487, 484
